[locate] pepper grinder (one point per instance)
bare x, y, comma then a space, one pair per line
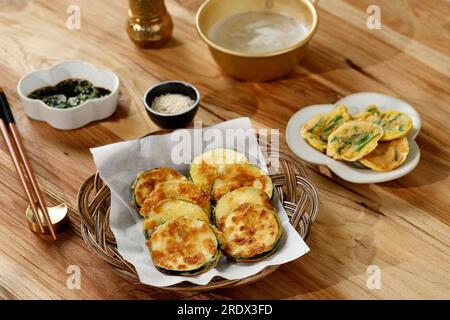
149, 24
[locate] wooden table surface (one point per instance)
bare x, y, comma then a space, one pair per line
403, 226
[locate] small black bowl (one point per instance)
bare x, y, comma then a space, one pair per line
172, 121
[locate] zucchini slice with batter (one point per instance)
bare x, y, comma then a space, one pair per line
146, 182
387, 156
241, 175
181, 190
184, 246
250, 233
234, 199
168, 209
353, 140
210, 164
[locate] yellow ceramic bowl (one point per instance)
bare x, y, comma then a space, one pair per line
259, 66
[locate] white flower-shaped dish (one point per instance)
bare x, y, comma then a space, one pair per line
76, 117
354, 172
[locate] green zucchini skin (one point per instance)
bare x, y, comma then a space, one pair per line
133, 200
256, 258
206, 267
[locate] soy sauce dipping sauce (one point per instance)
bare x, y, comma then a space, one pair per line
68, 93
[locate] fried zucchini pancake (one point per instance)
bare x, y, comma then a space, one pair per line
353, 140
312, 130
181, 190
234, 199
371, 114
146, 182
335, 119
317, 130
209, 165
395, 125
250, 232
241, 175
168, 209
184, 246
387, 156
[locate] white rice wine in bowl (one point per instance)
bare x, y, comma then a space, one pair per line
257, 32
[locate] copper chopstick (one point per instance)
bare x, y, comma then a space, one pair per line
31, 176
8, 117
10, 147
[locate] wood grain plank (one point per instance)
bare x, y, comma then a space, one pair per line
401, 226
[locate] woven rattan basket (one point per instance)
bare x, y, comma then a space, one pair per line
297, 194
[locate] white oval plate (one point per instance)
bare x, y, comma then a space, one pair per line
355, 173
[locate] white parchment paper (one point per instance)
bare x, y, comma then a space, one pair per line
118, 165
